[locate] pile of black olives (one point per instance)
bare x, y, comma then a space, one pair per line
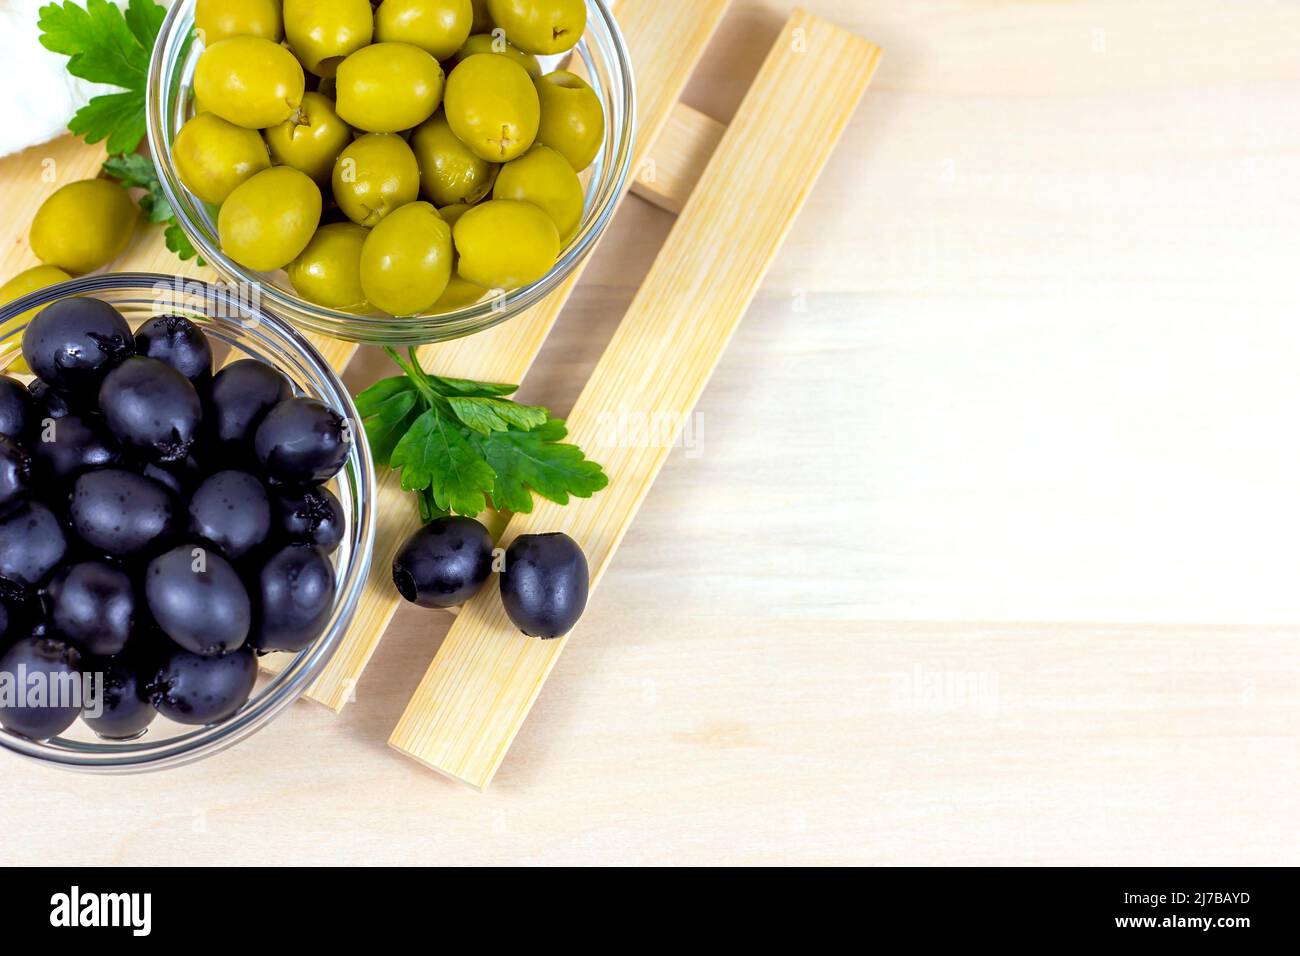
160, 525
544, 577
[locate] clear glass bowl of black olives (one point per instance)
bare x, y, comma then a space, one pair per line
408, 173
185, 520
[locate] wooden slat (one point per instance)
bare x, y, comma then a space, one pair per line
486, 676
668, 177
666, 40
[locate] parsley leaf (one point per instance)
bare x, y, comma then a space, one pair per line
539, 460
487, 415
435, 454
138, 172
104, 45
387, 410
459, 443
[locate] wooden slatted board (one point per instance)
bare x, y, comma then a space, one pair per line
737, 188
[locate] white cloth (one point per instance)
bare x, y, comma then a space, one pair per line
40, 95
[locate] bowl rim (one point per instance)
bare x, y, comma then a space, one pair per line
305, 666
385, 329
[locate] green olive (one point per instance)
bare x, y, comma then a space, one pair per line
544, 178
84, 225
249, 81
573, 121
492, 106
406, 261
496, 43
374, 175
311, 139
389, 87
212, 156
438, 27
328, 271
27, 281
541, 26
482, 19
449, 170
504, 243
458, 294
453, 212
218, 19
267, 221
322, 32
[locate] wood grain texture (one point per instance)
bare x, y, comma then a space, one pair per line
1024, 366
668, 176
665, 40
486, 676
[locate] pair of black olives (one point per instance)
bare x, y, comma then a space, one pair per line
544, 578
160, 525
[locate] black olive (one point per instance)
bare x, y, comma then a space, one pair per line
445, 563
544, 584
17, 408
231, 510
63, 448
15, 475
50, 402
73, 343
152, 408
178, 342
295, 591
121, 513
241, 395
92, 605
311, 514
123, 683
58, 664
32, 544
193, 689
198, 599
301, 441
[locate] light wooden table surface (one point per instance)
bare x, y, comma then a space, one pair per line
987, 545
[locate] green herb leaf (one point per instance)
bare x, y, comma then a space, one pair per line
539, 460
387, 410
179, 243
486, 415
103, 45
470, 389
436, 454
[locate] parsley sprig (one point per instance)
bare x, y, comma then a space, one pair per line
106, 45
461, 445
136, 171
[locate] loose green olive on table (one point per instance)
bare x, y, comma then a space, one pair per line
83, 225
429, 123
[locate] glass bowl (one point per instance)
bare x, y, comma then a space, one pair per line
238, 327
601, 58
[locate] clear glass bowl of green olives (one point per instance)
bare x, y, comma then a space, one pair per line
161, 680
409, 172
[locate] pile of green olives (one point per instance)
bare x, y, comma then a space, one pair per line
406, 158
